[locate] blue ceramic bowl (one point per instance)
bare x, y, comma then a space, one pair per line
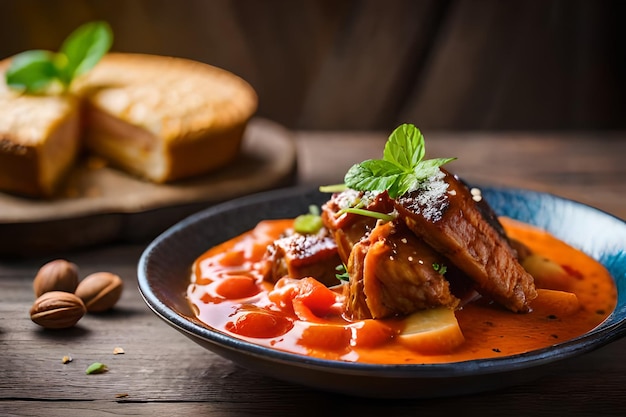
164, 270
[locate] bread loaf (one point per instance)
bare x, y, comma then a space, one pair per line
155, 117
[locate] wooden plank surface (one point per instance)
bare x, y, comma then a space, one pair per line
162, 373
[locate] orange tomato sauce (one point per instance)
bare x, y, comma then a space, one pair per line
227, 293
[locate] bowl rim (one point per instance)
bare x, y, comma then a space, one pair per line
611, 329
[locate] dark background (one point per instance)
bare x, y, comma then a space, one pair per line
371, 64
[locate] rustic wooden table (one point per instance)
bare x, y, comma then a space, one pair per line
162, 373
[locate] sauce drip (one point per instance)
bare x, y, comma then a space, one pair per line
228, 293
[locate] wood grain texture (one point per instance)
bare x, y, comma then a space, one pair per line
162, 373
366, 64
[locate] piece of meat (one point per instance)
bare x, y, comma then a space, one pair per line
348, 228
394, 273
520, 249
355, 302
447, 218
485, 209
302, 255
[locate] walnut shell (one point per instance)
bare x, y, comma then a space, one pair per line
57, 275
100, 291
57, 310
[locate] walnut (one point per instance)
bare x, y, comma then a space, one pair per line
57, 310
57, 275
100, 291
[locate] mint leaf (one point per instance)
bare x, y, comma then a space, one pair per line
402, 168
31, 71
84, 48
373, 175
429, 167
34, 71
405, 146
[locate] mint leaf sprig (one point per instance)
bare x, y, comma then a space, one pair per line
33, 72
402, 168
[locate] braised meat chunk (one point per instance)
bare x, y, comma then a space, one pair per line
348, 228
447, 218
302, 255
394, 273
